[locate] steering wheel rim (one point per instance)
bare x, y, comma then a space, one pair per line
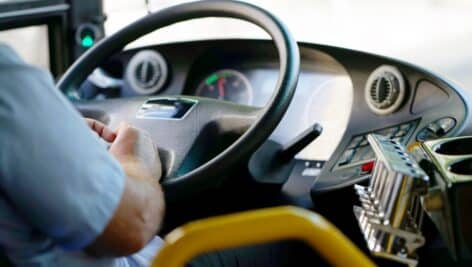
289, 58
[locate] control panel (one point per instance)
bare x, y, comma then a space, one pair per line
436, 129
359, 152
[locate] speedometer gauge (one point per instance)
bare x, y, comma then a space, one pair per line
228, 85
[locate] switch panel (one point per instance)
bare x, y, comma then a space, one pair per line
358, 150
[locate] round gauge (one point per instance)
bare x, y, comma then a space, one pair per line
228, 85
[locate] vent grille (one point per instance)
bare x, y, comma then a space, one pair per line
385, 90
146, 72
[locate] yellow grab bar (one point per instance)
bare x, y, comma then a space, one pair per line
256, 227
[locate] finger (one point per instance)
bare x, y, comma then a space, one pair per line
101, 129
126, 133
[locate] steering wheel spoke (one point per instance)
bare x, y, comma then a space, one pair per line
208, 127
218, 124
229, 116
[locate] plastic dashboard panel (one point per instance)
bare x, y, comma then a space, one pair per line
363, 121
190, 61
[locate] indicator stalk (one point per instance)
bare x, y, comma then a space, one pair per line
273, 163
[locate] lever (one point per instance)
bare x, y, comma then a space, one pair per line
272, 163
289, 150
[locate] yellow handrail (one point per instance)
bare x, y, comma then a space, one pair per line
256, 227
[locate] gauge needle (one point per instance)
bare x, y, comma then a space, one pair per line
221, 88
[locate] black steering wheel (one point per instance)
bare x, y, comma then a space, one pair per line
178, 139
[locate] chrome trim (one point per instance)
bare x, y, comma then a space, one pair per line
140, 114
390, 215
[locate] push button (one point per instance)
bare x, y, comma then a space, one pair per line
360, 153
389, 132
367, 167
355, 142
346, 158
364, 142
405, 127
401, 133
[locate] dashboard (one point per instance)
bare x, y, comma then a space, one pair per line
350, 93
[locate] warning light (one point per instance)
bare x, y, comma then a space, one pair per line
367, 167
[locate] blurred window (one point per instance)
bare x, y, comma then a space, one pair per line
30, 42
435, 34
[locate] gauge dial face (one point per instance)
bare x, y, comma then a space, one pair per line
228, 85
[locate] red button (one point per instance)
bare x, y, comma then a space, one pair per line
368, 166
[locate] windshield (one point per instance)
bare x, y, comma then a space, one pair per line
435, 34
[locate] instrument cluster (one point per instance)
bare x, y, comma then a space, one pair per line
227, 84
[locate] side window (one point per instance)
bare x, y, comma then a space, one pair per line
31, 43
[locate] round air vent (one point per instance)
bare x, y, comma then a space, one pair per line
385, 90
146, 72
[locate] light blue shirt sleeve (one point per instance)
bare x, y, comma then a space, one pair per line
53, 169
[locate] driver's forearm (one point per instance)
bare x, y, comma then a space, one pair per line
138, 217
145, 200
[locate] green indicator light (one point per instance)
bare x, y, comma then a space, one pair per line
213, 78
87, 41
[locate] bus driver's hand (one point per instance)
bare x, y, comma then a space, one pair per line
135, 149
132, 147
101, 129
141, 209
